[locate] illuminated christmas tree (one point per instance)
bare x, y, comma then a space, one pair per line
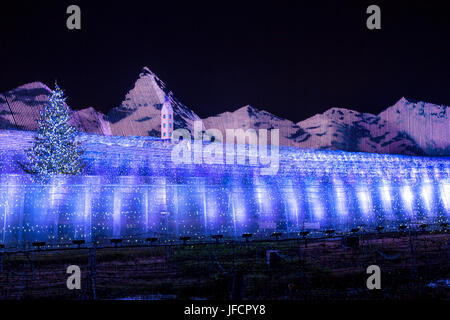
55, 151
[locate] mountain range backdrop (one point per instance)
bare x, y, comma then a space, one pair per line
406, 127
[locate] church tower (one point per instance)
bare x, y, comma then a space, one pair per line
166, 120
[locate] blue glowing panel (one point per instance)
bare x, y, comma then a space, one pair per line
133, 190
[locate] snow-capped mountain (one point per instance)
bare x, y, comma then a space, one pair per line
138, 115
90, 120
342, 129
407, 127
140, 112
20, 109
415, 128
249, 117
392, 131
427, 124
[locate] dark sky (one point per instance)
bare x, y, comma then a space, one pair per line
294, 59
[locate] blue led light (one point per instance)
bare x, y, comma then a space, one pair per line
131, 189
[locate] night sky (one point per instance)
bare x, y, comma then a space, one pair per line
294, 59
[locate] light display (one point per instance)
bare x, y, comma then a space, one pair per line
54, 150
132, 190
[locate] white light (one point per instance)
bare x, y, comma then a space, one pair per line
317, 207
427, 195
291, 197
365, 201
386, 196
341, 203
116, 213
408, 198
263, 197
445, 196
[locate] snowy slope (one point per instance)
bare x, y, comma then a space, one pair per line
414, 128
139, 113
336, 129
20, 109
91, 121
426, 123
343, 129
249, 117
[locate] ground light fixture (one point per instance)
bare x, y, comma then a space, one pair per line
247, 236
79, 242
217, 237
38, 244
115, 241
277, 235
185, 239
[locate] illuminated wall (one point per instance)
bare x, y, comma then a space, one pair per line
133, 190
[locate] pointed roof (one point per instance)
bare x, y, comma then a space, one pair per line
167, 104
146, 72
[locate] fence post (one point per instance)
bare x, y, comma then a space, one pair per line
92, 273
234, 252
412, 253
27, 264
168, 251
1, 260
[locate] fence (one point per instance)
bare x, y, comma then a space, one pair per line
301, 268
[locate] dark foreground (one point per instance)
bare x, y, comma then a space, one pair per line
412, 267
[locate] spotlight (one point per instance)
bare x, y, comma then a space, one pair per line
78, 242
276, 235
217, 237
151, 240
247, 236
115, 242
304, 233
38, 244
185, 239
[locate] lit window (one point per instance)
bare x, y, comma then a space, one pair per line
164, 134
164, 116
170, 134
170, 116
170, 125
164, 125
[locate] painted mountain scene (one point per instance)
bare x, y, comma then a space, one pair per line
408, 127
